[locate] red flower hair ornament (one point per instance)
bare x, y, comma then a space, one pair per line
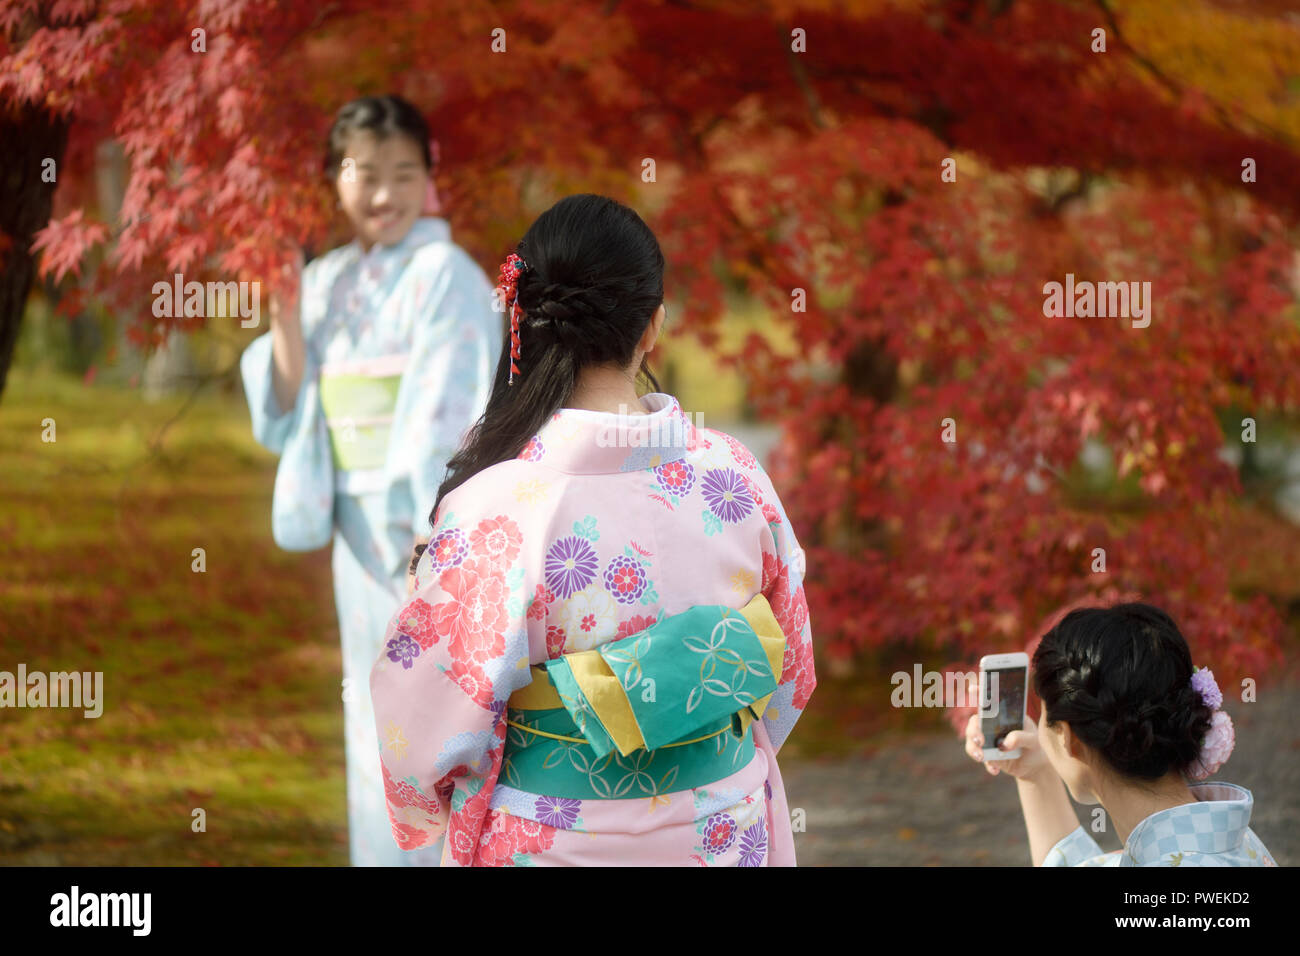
507, 286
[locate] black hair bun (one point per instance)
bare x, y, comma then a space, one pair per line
1121, 678
1152, 739
1134, 736
1188, 726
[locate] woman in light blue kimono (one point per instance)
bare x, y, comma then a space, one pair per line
365, 391
1128, 723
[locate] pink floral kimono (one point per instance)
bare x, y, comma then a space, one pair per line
606, 646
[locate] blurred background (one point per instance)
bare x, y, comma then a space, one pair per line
860, 203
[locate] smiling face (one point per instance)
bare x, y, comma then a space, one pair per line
381, 184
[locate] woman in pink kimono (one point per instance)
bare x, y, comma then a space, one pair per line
606, 641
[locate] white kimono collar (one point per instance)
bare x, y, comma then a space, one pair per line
426, 230
584, 442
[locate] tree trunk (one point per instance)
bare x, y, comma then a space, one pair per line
33, 135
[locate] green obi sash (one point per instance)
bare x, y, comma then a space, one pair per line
359, 408
668, 708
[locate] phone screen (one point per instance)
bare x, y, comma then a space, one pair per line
1008, 689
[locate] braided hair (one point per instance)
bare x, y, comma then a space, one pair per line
1121, 678
595, 279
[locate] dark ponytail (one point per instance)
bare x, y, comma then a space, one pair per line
1121, 678
595, 279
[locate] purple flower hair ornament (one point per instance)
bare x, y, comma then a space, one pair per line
1217, 745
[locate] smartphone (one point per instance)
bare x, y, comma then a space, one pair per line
1004, 681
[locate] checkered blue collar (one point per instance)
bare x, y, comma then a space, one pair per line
1215, 823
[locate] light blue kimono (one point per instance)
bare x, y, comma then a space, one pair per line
367, 478
1213, 831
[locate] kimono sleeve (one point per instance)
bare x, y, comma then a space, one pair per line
1076, 849
452, 656
272, 425
457, 346
783, 575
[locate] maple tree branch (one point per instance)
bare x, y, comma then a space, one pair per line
154, 450
200, 382
801, 79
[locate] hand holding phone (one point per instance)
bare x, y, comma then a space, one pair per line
1004, 680
1030, 759
999, 734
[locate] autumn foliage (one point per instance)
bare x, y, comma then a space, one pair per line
810, 181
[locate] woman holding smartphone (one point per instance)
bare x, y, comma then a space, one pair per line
1126, 722
364, 386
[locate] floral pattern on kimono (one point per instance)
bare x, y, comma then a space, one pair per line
576, 543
